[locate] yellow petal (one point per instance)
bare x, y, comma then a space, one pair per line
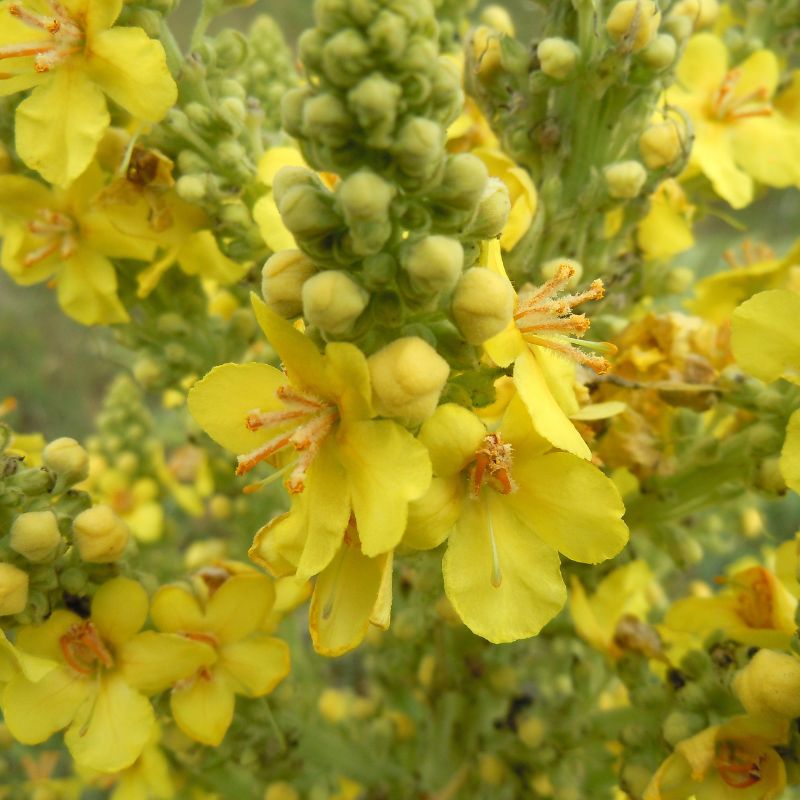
790, 453
237, 608
452, 435
87, 289
529, 592
109, 733
348, 375
61, 152
768, 149
146, 521
506, 346
759, 72
433, 516
119, 609
99, 14
176, 610
703, 64
21, 197
221, 401
278, 545
270, 224
343, 600
386, 468
571, 505
382, 610
56, 699
765, 337
275, 159
152, 662
199, 254
256, 665
43, 640
204, 709
548, 419
713, 153
132, 70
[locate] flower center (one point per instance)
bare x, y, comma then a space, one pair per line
738, 768
306, 420
754, 600
546, 320
58, 233
727, 105
84, 650
65, 37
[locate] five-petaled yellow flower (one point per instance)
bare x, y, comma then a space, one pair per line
72, 56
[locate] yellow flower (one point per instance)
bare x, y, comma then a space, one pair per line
513, 504
740, 136
666, 229
754, 608
74, 57
735, 759
346, 463
536, 341
62, 234
105, 668
249, 662
265, 212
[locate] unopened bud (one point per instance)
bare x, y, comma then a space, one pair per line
483, 302
661, 145
419, 147
365, 197
282, 280
13, 590
281, 790
191, 188
100, 535
701, 13
660, 53
407, 376
770, 685
492, 212
326, 118
633, 24
498, 18
434, 264
557, 57
374, 101
486, 53
333, 301
491, 769
465, 177
35, 535
625, 179
67, 459
307, 211
531, 731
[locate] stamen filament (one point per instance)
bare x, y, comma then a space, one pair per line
497, 575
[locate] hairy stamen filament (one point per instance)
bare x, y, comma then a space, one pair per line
497, 574
726, 105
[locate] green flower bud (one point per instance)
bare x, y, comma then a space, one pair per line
309, 47
492, 212
378, 270
191, 188
73, 580
374, 101
326, 119
233, 109
558, 57
483, 303
308, 211
189, 161
148, 372
282, 280
345, 57
33, 481
35, 535
333, 301
419, 147
388, 35
230, 48
288, 177
67, 459
364, 197
232, 88
633, 24
100, 535
770, 685
661, 144
464, 181
199, 115
419, 55
446, 97
407, 376
13, 590
292, 109
660, 53
231, 153
625, 179
434, 264
769, 476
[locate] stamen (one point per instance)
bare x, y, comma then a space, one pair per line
252, 488
737, 768
256, 419
83, 649
249, 460
726, 106
492, 462
41, 253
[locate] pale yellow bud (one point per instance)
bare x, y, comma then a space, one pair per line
35, 535
281, 790
661, 145
531, 731
625, 179
633, 23
13, 590
491, 769
434, 264
770, 685
485, 46
204, 552
100, 535
557, 57
67, 459
660, 53
483, 303
407, 376
498, 18
333, 301
701, 13
282, 280
549, 269
334, 705
679, 279
220, 506
492, 212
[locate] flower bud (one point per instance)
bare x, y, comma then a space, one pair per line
333, 301
191, 188
625, 179
465, 177
557, 57
364, 197
281, 790
679, 725
307, 211
661, 145
388, 35
770, 685
492, 212
35, 535
701, 13
633, 23
282, 280
407, 376
419, 147
326, 118
497, 18
13, 590
345, 57
100, 535
491, 769
374, 102
660, 53
486, 53
549, 269
483, 303
434, 264
292, 109
67, 459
